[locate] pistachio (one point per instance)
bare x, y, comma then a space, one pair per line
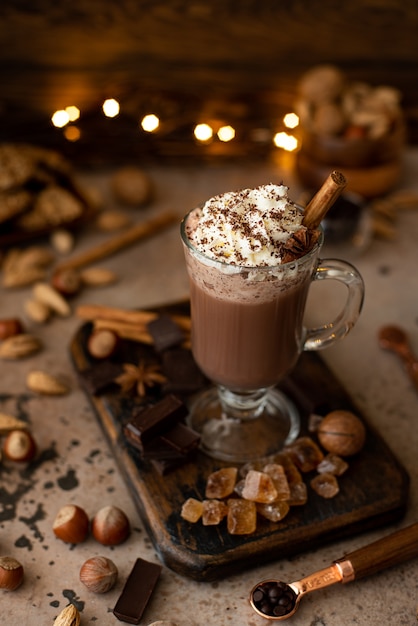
19, 346
46, 384
68, 617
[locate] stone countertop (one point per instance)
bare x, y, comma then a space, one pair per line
75, 465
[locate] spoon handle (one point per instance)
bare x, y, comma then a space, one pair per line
386, 552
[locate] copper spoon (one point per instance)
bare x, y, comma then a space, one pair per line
276, 600
395, 339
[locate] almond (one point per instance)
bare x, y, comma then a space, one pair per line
68, 617
46, 384
98, 277
9, 423
51, 297
37, 311
62, 241
110, 221
19, 346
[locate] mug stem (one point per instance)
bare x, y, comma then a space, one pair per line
242, 405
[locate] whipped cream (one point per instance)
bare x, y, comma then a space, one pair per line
248, 227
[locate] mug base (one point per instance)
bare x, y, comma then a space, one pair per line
239, 441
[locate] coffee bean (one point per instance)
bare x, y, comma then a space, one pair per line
274, 598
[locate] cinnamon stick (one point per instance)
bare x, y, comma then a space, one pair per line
120, 241
92, 312
323, 200
124, 330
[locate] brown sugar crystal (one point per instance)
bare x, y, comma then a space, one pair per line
221, 483
325, 485
242, 517
275, 511
305, 454
213, 512
192, 510
278, 476
298, 494
259, 487
333, 464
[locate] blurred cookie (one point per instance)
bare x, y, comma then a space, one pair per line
14, 203
53, 206
16, 167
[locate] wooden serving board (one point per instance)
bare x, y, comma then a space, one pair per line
373, 491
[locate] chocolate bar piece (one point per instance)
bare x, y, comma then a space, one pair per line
176, 443
182, 372
165, 333
100, 377
157, 418
137, 591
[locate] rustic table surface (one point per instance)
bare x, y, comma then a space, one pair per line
75, 464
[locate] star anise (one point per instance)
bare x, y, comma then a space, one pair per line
138, 377
299, 244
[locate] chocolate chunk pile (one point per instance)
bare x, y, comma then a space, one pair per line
155, 385
160, 436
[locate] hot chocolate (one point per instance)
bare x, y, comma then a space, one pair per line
251, 257
247, 307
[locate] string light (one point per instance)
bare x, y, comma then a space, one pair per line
150, 123
203, 132
291, 120
111, 107
72, 133
73, 113
285, 141
60, 118
226, 133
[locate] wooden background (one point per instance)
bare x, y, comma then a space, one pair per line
54, 52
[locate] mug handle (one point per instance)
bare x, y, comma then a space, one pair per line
323, 336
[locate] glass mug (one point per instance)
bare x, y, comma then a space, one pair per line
247, 335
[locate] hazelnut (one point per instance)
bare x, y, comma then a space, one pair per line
71, 524
67, 281
10, 327
102, 343
99, 574
11, 573
19, 446
110, 526
342, 432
